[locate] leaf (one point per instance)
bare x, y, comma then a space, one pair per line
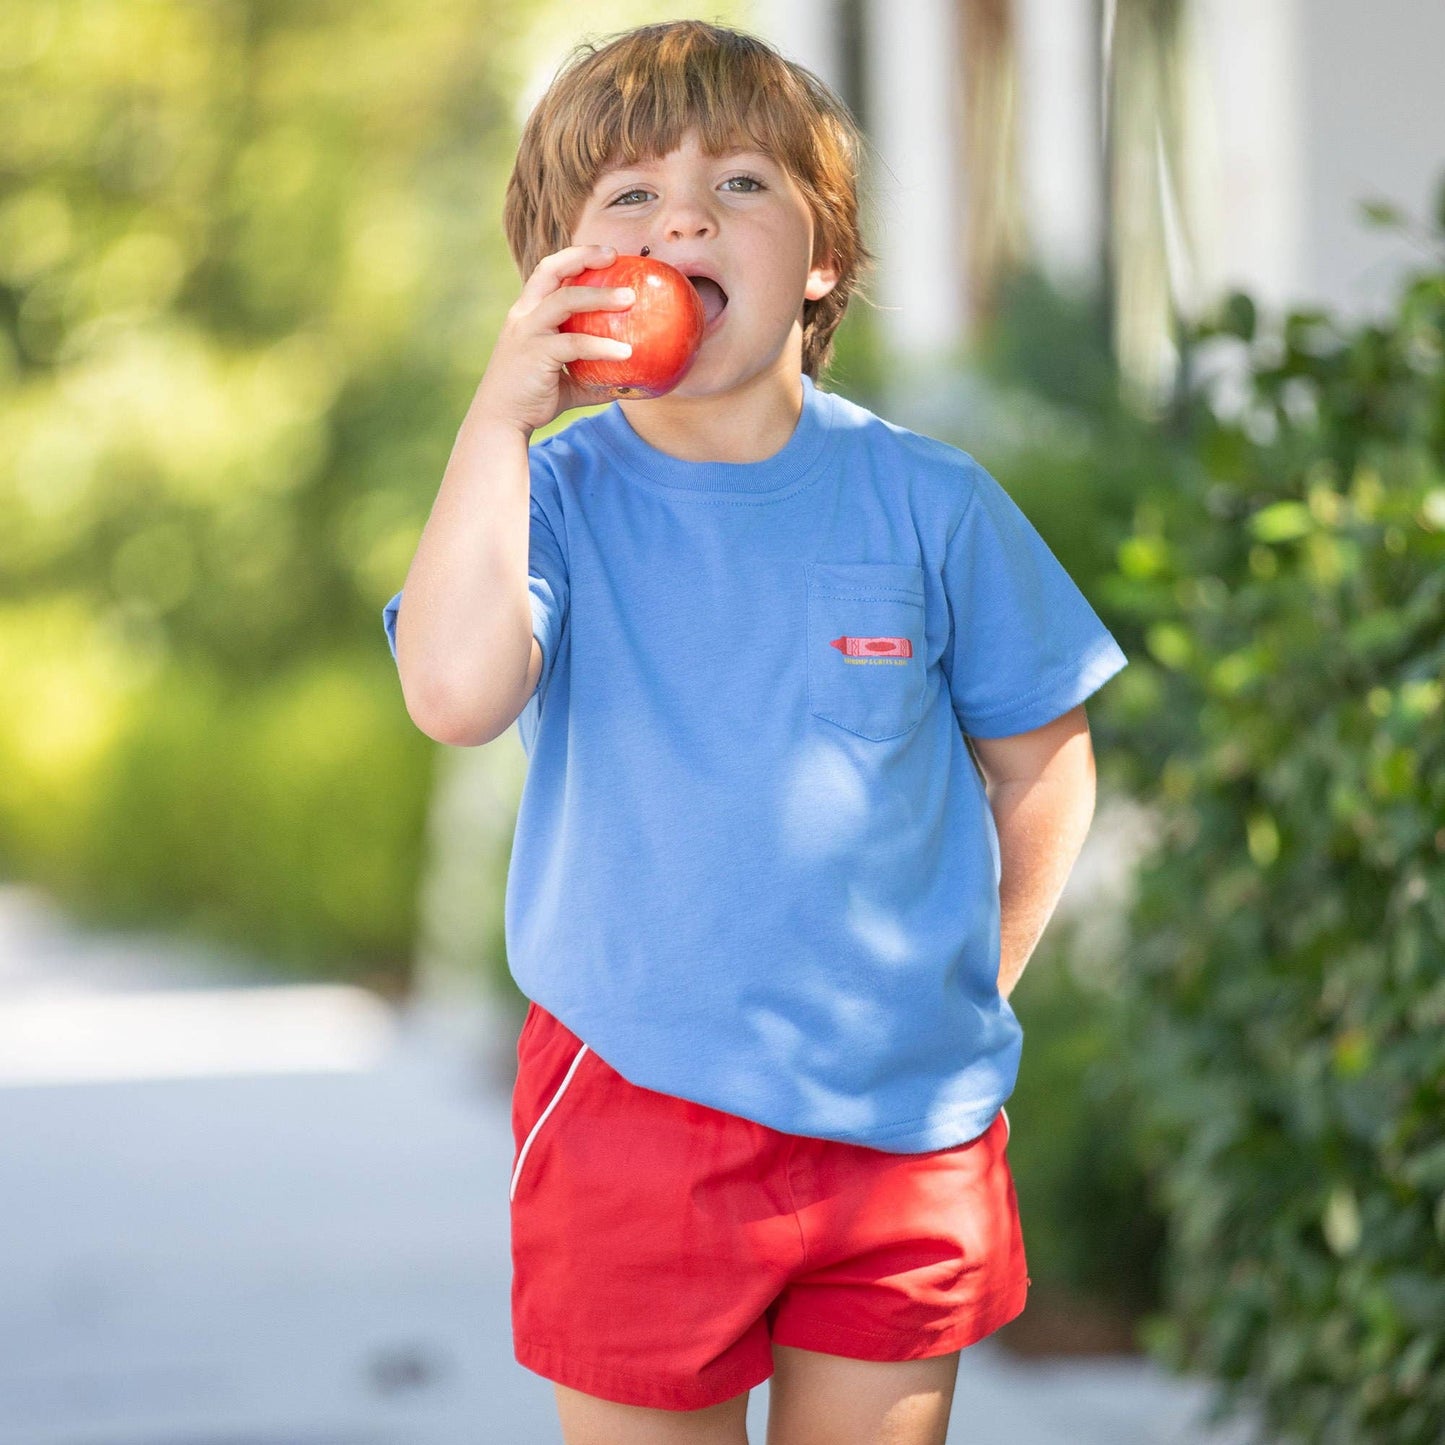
1418, 1298
1341, 1221
1238, 316
1426, 1170
1414, 1364
1382, 213
1169, 644
1432, 509
1281, 522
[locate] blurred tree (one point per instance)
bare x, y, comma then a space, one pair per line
250, 270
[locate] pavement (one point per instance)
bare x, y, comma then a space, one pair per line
277, 1215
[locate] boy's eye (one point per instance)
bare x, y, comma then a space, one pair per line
641, 191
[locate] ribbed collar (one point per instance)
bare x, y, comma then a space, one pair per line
793, 466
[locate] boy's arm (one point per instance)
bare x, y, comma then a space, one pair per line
1041, 790
465, 650
460, 651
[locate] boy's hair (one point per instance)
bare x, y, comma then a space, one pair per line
633, 99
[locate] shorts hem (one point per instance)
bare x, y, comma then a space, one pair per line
856, 1344
622, 1388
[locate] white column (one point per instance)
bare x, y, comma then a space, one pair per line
1060, 136
1246, 171
913, 221
806, 31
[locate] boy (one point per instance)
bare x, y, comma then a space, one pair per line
766, 912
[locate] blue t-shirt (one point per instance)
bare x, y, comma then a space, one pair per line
754, 863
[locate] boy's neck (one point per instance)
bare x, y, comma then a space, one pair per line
749, 423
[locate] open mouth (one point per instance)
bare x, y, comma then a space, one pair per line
714, 299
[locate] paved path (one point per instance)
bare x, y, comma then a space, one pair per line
258, 1214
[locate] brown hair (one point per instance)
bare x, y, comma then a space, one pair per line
633, 99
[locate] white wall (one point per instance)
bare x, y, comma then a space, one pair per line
1373, 117
1300, 111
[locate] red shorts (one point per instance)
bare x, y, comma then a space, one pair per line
660, 1247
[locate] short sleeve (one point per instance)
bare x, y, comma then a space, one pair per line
1026, 645
388, 621
546, 586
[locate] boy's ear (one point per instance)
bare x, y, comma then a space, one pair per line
821, 279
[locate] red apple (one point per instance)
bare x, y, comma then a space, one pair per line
664, 325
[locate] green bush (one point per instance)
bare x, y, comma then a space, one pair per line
281, 820
1285, 994
1092, 1233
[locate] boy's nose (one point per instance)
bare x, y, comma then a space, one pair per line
682, 233
688, 219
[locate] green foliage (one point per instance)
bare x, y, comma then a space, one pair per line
1248, 1104
1285, 996
1053, 343
857, 369
1089, 1223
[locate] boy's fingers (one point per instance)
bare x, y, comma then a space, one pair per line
580, 346
566, 301
566, 262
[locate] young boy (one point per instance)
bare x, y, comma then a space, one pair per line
765, 909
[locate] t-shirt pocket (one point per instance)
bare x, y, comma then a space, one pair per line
865, 640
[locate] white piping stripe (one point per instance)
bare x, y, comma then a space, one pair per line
522, 1157
1004, 1112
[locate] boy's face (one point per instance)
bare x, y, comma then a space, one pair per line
742, 217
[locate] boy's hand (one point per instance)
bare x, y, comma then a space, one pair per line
524, 385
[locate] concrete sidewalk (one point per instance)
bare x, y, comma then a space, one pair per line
242, 1212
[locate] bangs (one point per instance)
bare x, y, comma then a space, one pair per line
734, 101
